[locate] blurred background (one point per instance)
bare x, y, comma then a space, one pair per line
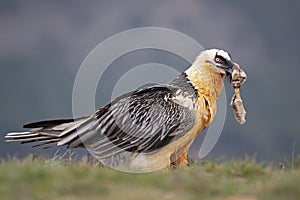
43, 43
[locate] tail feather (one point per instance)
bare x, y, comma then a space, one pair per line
75, 126
19, 134
57, 132
48, 123
77, 132
50, 141
29, 139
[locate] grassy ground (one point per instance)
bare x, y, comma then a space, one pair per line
232, 180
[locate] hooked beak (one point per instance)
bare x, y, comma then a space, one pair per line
228, 70
229, 66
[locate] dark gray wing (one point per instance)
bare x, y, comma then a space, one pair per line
142, 121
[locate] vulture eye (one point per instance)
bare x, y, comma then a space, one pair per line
218, 60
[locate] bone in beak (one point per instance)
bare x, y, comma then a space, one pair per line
238, 77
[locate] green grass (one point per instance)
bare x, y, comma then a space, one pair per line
60, 179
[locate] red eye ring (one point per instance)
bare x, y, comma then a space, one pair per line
218, 60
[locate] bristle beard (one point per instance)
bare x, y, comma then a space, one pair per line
228, 77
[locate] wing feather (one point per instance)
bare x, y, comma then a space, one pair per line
141, 121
